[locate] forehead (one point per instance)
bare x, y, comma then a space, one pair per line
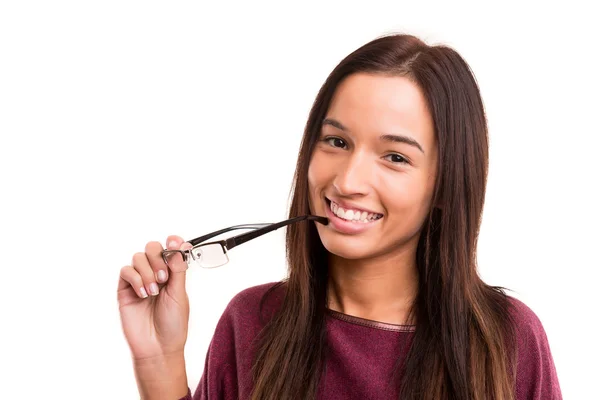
376, 104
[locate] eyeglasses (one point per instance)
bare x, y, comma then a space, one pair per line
214, 254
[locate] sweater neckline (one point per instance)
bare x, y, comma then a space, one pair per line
370, 323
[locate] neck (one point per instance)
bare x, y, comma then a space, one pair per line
381, 289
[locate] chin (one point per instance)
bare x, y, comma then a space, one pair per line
347, 250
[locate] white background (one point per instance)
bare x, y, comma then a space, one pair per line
123, 122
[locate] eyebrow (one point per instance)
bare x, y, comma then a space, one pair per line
386, 137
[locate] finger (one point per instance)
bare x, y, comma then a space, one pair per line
177, 264
154, 255
129, 277
174, 242
141, 264
177, 279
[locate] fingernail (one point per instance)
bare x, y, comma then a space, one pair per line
153, 289
172, 244
143, 292
162, 276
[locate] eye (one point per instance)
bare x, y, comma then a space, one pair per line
396, 158
335, 141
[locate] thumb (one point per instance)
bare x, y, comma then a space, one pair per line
177, 270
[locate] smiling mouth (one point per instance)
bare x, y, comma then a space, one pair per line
352, 215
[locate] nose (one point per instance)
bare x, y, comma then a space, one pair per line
354, 176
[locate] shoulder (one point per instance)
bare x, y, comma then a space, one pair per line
536, 372
251, 299
228, 363
524, 319
251, 305
256, 293
529, 330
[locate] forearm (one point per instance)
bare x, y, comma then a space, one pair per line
162, 378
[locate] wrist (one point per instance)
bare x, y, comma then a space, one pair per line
161, 377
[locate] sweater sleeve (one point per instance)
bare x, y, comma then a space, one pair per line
536, 373
219, 378
228, 363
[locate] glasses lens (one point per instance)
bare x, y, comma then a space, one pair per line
172, 257
210, 255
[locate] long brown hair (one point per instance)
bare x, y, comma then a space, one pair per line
463, 346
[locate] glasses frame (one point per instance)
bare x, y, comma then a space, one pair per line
230, 243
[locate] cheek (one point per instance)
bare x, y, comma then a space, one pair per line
311, 180
313, 185
316, 173
407, 195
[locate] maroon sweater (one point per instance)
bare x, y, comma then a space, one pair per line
361, 354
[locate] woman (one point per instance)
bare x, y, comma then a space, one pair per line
385, 300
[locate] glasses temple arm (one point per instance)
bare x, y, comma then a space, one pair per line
244, 237
211, 235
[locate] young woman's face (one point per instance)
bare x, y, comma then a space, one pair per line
373, 169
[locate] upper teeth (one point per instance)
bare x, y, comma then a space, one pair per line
353, 215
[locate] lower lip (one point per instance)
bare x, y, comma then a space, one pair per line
343, 226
